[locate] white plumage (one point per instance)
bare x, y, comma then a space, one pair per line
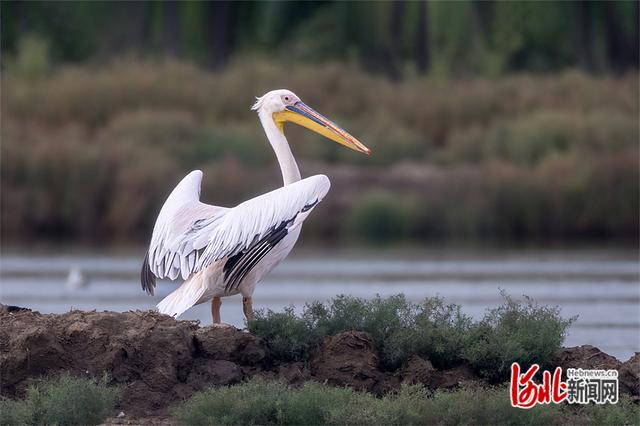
189, 235
222, 251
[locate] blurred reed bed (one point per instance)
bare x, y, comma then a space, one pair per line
90, 153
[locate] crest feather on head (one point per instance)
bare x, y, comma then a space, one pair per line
258, 104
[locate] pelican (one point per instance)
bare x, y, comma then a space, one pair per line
220, 251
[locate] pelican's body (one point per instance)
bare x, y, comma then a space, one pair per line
222, 251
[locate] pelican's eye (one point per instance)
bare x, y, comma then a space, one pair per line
286, 98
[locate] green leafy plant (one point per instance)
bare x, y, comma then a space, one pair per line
289, 336
63, 400
273, 403
625, 412
441, 332
264, 402
515, 331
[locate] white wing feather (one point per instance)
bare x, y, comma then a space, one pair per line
189, 235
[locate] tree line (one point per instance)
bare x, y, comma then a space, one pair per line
395, 38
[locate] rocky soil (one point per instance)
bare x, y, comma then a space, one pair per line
160, 361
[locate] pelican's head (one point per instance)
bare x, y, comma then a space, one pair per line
284, 106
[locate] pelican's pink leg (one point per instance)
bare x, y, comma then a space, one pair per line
247, 308
215, 309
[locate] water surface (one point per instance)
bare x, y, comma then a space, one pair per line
601, 287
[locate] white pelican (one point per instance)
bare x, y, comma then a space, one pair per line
221, 251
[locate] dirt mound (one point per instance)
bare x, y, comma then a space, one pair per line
160, 361
348, 359
229, 344
418, 370
591, 358
629, 375
586, 357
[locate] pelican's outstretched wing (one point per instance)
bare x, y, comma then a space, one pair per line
189, 235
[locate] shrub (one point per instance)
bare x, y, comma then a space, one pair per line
263, 402
15, 413
378, 317
398, 327
65, 400
625, 412
90, 153
515, 331
440, 333
289, 336
484, 406
385, 320
273, 403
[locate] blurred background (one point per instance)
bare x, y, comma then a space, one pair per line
505, 140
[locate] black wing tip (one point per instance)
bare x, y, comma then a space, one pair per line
147, 279
239, 265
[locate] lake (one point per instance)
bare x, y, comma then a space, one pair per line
601, 287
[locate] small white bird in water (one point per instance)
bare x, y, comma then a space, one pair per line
76, 278
222, 251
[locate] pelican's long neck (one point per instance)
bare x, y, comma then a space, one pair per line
288, 165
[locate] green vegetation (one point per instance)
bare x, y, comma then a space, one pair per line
90, 153
380, 217
65, 400
515, 331
523, 332
625, 412
394, 38
480, 125
273, 403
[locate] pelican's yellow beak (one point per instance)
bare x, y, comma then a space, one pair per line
303, 115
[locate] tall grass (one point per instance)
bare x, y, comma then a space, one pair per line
515, 331
274, 403
91, 152
64, 400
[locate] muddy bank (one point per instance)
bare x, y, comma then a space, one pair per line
160, 361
